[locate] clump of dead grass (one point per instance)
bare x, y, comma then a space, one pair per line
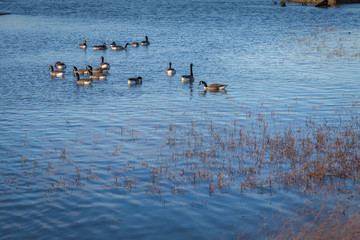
312, 156
326, 224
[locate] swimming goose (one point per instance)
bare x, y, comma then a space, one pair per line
83, 45
104, 65
170, 71
60, 65
146, 42
96, 70
100, 47
135, 44
133, 81
188, 78
116, 47
213, 87
83, 81
56, 73
81, 71
97, 76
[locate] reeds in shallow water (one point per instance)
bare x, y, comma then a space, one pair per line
314, 158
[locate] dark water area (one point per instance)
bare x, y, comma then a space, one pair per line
111, 161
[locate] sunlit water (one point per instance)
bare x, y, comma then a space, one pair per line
290, 64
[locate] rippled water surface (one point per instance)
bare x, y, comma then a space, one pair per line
83, 162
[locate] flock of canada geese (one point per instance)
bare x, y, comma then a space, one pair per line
100, 73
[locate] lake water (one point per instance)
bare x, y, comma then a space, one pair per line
79, 162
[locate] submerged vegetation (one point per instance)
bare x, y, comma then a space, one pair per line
324, 44
253, 153
314, 156
325, 224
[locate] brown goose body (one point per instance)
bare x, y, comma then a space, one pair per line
100, 47
95, 70
146, 42
83, 45
135, 44
213, 87
60, 65
97, 76
104, 65
133, 81
170, 71
117, 47
82, 81
81, 71
56, 73
188, 78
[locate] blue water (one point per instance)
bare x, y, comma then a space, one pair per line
67, 152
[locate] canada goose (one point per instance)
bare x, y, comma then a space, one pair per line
60, 65
188, 78
133, 81
83, 81
56, 73
97, 76
83, 45
135, 44
96, 70
81, 71
170, 71
104, 65
213, 87
100, 47
116, 47
146, 42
